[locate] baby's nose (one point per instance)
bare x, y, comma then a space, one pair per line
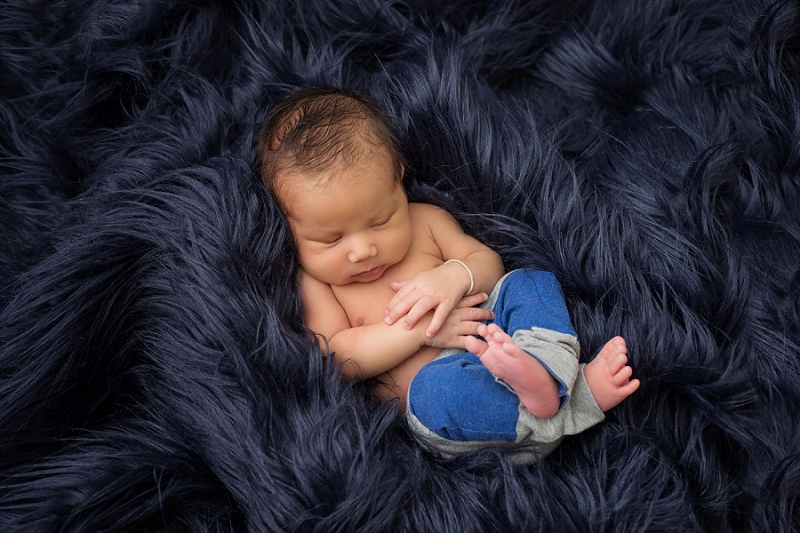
362, 249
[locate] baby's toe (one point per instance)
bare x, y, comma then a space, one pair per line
622, 377
619, 344
616, 363
499, 336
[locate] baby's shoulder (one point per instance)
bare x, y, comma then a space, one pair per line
427, 212
310, 284
432, 218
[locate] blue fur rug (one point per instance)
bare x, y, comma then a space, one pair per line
154, 375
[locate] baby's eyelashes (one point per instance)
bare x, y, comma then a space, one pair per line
326, 239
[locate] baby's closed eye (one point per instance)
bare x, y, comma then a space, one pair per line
382, 222
326, 239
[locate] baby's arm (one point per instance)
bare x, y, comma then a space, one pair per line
374, 349
441, 288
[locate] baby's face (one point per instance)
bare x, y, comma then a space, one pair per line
349, 224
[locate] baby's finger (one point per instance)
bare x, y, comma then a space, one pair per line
400, 305
476, 314
473, 300
457, 343
417, 311
468, 330
397, 285
397, 298
439, 316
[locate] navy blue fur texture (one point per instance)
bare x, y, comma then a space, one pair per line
154, 370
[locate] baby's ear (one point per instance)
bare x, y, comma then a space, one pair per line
402, 172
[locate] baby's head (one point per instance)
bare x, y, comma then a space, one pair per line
332, 164
316, 130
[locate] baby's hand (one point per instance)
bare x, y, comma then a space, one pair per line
459, 324
431, 289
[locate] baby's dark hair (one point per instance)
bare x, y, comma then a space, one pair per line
313, 128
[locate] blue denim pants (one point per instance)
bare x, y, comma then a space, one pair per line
455, 404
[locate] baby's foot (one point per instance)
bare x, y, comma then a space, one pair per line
609, 376
536, 388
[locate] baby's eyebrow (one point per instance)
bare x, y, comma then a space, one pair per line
381, 214
386, 209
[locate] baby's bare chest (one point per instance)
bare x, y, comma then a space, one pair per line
365, 303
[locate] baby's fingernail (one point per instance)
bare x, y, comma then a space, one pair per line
405, 325
388, 320
428, 334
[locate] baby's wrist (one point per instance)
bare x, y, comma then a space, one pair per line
416, 332
469, 273
422, 336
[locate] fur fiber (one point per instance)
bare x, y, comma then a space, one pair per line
154, 373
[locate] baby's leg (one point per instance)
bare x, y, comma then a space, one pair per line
530, 380
609, 376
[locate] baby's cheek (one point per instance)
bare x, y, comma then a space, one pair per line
400, 245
